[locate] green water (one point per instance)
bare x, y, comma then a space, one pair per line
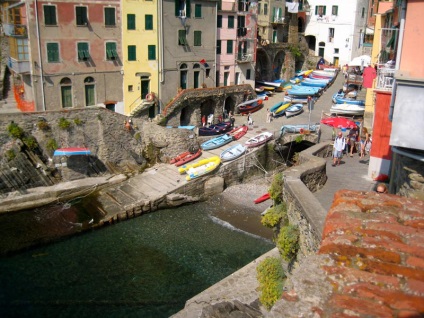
145, 267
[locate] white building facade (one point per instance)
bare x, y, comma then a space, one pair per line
335, 29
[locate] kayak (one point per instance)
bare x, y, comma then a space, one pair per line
262, 198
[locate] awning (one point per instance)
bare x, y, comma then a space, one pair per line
369, 31
108, 102
391, 41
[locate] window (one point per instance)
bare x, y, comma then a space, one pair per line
90, 96
66, 92
331, 35
197, 38
151, 52
231, 22
219, 22
83, 51
265, 8
182, 37
132, 53
110, 17
130, 88
49, 15
20, 50
130, 21
197, 10
320, 10
218, 46
230, 47
81, 16
259, 8
148, 22
334, 10
183, 76
196, 77
363, 13
111, 53
52, 52
248, 74
336, 51
182, 8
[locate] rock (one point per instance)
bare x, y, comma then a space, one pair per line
214, 186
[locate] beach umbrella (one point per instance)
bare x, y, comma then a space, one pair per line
363, 60
338, 122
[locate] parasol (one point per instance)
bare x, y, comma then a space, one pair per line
363, 60
338, 122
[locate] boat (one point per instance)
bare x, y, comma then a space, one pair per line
281, 110
259, 139
250, 106
217, 129
72, 151
216, 142
294, 110
200, 168
262, 96
296, 100
347, 109
313, 84
183, 127
266, 83
185, 157
322, 74
259, 89
302, 128
276, 106
238, 132
262, 198
269, 88
339, 98
233, 152
304, 91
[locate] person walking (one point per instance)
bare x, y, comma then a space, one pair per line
203, 120
249, 119
353, 138
339, 145
268, 116
232, 119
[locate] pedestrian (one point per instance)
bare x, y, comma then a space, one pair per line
381, 188
338, 146
353, 138
232, 119
365, 145
204, 120
249, 120
268, 116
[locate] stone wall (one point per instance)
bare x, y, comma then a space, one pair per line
408, 176
303, 209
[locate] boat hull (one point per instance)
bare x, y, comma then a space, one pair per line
200, 168
216, 142
214, 130
72, 151
233, 152
347, 109
238, 132
294, 110
188, 158
259, 139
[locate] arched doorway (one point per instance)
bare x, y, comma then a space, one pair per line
183, 75
90, 91
311, 40
263, 66
66, 92
229, 106
277, 67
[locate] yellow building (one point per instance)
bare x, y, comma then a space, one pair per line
140, 49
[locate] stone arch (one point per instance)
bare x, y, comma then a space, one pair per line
263, 66
207, 107
301, 25
278, 65
312, 42
185, 115
229, 105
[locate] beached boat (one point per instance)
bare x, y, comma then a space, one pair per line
262, 96
296, 99
250, 106
233, 152
313, 84
200, 168
276, 106
322, 74
238, 132
347, 109
339, 98
262, 198
294, 110
266, 83
216, 142
269, 88
281, 110
302, 128
303, 91
214, 130
72, 151
259, 139
259, 89
185, 157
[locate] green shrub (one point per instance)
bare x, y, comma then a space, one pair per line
43, 125
30, 142
270, 275
51, 144
288, 242
275, 215
299, 139
64, 123
10, 154
276, 188
15, 131
78, 121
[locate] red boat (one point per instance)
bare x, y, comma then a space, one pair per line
250, 106
238, 132
262, 198
185, 157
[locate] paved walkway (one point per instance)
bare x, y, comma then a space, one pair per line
352, 173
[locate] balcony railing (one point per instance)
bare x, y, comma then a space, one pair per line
244, 58
279, 20
18, 67
18, 30
385, 78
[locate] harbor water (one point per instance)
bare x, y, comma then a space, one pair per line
144, 267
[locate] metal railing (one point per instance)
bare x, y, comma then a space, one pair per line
18, 30
385, 79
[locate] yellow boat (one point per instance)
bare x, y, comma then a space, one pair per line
282, 108
200, 167
306, 73
269, 88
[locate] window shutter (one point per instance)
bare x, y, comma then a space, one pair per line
131, 21
188, 8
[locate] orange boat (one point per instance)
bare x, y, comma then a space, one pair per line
238, 132
185, 157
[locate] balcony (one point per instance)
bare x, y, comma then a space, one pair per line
19, 67
244, 58
241, 32
16, 30
385, 78
278, 20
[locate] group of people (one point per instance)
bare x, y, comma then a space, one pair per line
350, 143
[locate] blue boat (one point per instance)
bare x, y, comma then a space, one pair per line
233, 152
338, 98
72, 151
294, 110
216, 142
313, 84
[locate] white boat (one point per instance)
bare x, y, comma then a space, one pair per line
259, 139
233, 152
265, 83
348, 109
294, 110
